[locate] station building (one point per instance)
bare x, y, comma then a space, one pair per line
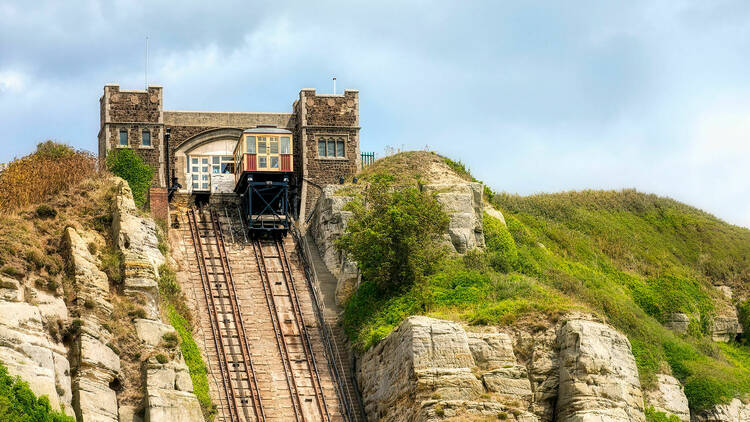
191, 152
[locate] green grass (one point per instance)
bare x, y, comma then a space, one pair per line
18, 403
630, 258
194, 362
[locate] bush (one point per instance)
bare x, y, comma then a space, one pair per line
128, 165
18, 403
12, 271
654, 416
500, 244
38, 176
194, 362
46, 211
161, 359
393, 235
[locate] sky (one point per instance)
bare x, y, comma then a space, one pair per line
533, 96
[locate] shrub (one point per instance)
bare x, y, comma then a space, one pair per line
655, 416
38, 176
394, 235
12, 271
35, 258
46, 211
128, 165
194, 362
92, 248
139, 313
52, 285
18, 402
161, 359
89, 304
500, 244
170, 339
111, 260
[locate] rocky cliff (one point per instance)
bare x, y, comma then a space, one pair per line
577, 369
78, 336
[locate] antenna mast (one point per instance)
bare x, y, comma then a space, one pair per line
145, 70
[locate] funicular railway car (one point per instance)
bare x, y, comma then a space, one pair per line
263, 176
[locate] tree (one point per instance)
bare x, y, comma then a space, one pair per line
394, 234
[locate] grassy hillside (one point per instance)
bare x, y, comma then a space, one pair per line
631, 258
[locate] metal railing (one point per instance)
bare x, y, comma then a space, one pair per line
367, 159
352, 405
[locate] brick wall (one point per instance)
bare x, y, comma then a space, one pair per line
158, 202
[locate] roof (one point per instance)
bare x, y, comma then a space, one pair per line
267, 130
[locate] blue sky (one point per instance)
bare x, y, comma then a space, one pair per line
534, 96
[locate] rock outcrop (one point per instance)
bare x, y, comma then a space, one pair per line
463, 203
734, 411
136, 238
598, 376
28, 351
430, 369
328, 225
169, 392
669, 397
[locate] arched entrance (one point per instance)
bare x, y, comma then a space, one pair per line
204, 162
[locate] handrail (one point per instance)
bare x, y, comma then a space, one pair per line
333, 352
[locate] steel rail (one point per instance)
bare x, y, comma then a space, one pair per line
280, 339
231, 398
238, 321
300, 322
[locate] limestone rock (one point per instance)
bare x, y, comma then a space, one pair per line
98, 366
725, 326
28, 352
169, 393
327, 226
463, 204
10, 289
137, 240
151, 332
91, 284
598, 375
735, 411
492, 212
678, 322
669, 397
421, 359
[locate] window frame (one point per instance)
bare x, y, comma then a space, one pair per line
334, 140
127, 138
150, 140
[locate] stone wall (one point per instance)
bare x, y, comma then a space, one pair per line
325, 116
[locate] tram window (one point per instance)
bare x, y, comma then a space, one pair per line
262, 162
261, 145
340, 149
274, 145
285, 145
250, 144
274, 162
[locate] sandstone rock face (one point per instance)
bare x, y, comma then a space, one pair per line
97, 366
492, 212
735, 411
725, 326
91, 284
464, 205
669, 397
151, 332
169, 393
28, 352
598, 376
678, 322
327, 226
429, 370
136, 239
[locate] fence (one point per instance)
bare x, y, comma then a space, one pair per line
367, 159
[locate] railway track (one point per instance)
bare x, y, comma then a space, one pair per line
241, 394
292, 337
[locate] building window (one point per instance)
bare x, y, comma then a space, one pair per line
123, 138
332, 148
146, 138
222, 165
